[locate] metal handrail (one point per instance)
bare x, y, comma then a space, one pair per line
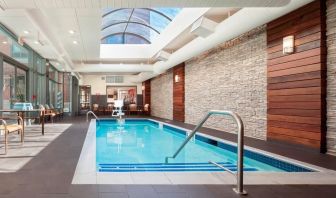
91, 112
240, 145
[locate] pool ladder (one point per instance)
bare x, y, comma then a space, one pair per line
91, 112
240, 147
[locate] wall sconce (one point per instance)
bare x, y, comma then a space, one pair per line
288, 45
177, 78
143, 87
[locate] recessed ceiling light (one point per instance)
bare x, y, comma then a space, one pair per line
26, 31
72, 31
4, 42
36, 42
75, 42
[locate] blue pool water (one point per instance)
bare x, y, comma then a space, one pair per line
141, 145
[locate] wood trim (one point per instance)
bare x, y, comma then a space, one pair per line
146, 93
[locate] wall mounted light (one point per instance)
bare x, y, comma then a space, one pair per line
143, 87
177, 78
288, 45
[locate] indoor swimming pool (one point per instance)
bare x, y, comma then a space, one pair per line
141, 145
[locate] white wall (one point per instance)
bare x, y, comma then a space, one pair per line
98, 86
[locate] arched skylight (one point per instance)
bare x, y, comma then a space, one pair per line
135, 25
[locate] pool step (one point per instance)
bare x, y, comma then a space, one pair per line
170, 167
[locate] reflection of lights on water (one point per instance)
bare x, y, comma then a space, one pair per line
146, 129
115, 137
140, 143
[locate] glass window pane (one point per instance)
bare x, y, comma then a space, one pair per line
67, 92
8, 91
116, 16
146, 22
6, 43
20, 53
41, 92
134, 39
11, 48
113, 29
114, 39
141, 15
20, 85
141, 30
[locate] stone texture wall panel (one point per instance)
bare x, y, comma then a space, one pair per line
233, 78
162, 96
331, 77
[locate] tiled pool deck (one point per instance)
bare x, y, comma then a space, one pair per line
49, 170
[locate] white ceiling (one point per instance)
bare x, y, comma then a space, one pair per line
50, 21
97, 4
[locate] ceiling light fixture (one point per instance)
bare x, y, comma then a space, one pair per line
72, 32
75, 42
26, 31
36, 42
4, 42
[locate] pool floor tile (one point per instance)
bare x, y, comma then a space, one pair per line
114, 178
148, 178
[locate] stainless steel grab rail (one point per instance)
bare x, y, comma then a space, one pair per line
91, 112
240, 145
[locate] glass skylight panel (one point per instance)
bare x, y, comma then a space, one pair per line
135, 25
110, 30
141, 30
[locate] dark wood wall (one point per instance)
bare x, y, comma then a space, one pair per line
146, 92
296, 82
178, 93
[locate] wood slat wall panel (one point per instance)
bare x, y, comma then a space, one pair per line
178, 94
294, 133
298, 42
298, 35
295, 112
295, 119
296, 82
296, 77
294, 98
293, 15
146, 93
297, 63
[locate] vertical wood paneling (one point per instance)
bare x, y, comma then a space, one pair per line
178, 93
146, 93
296, 82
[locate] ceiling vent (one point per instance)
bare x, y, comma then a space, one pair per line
114, 79
162, 56
203, 27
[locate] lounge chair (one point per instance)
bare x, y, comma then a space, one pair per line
56, 111
133, 109
146, 109
48, 112
6, 129
95, 108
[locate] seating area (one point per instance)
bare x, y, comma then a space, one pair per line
131, 109
167, 99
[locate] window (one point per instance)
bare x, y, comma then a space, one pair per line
8, 91
135, 25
